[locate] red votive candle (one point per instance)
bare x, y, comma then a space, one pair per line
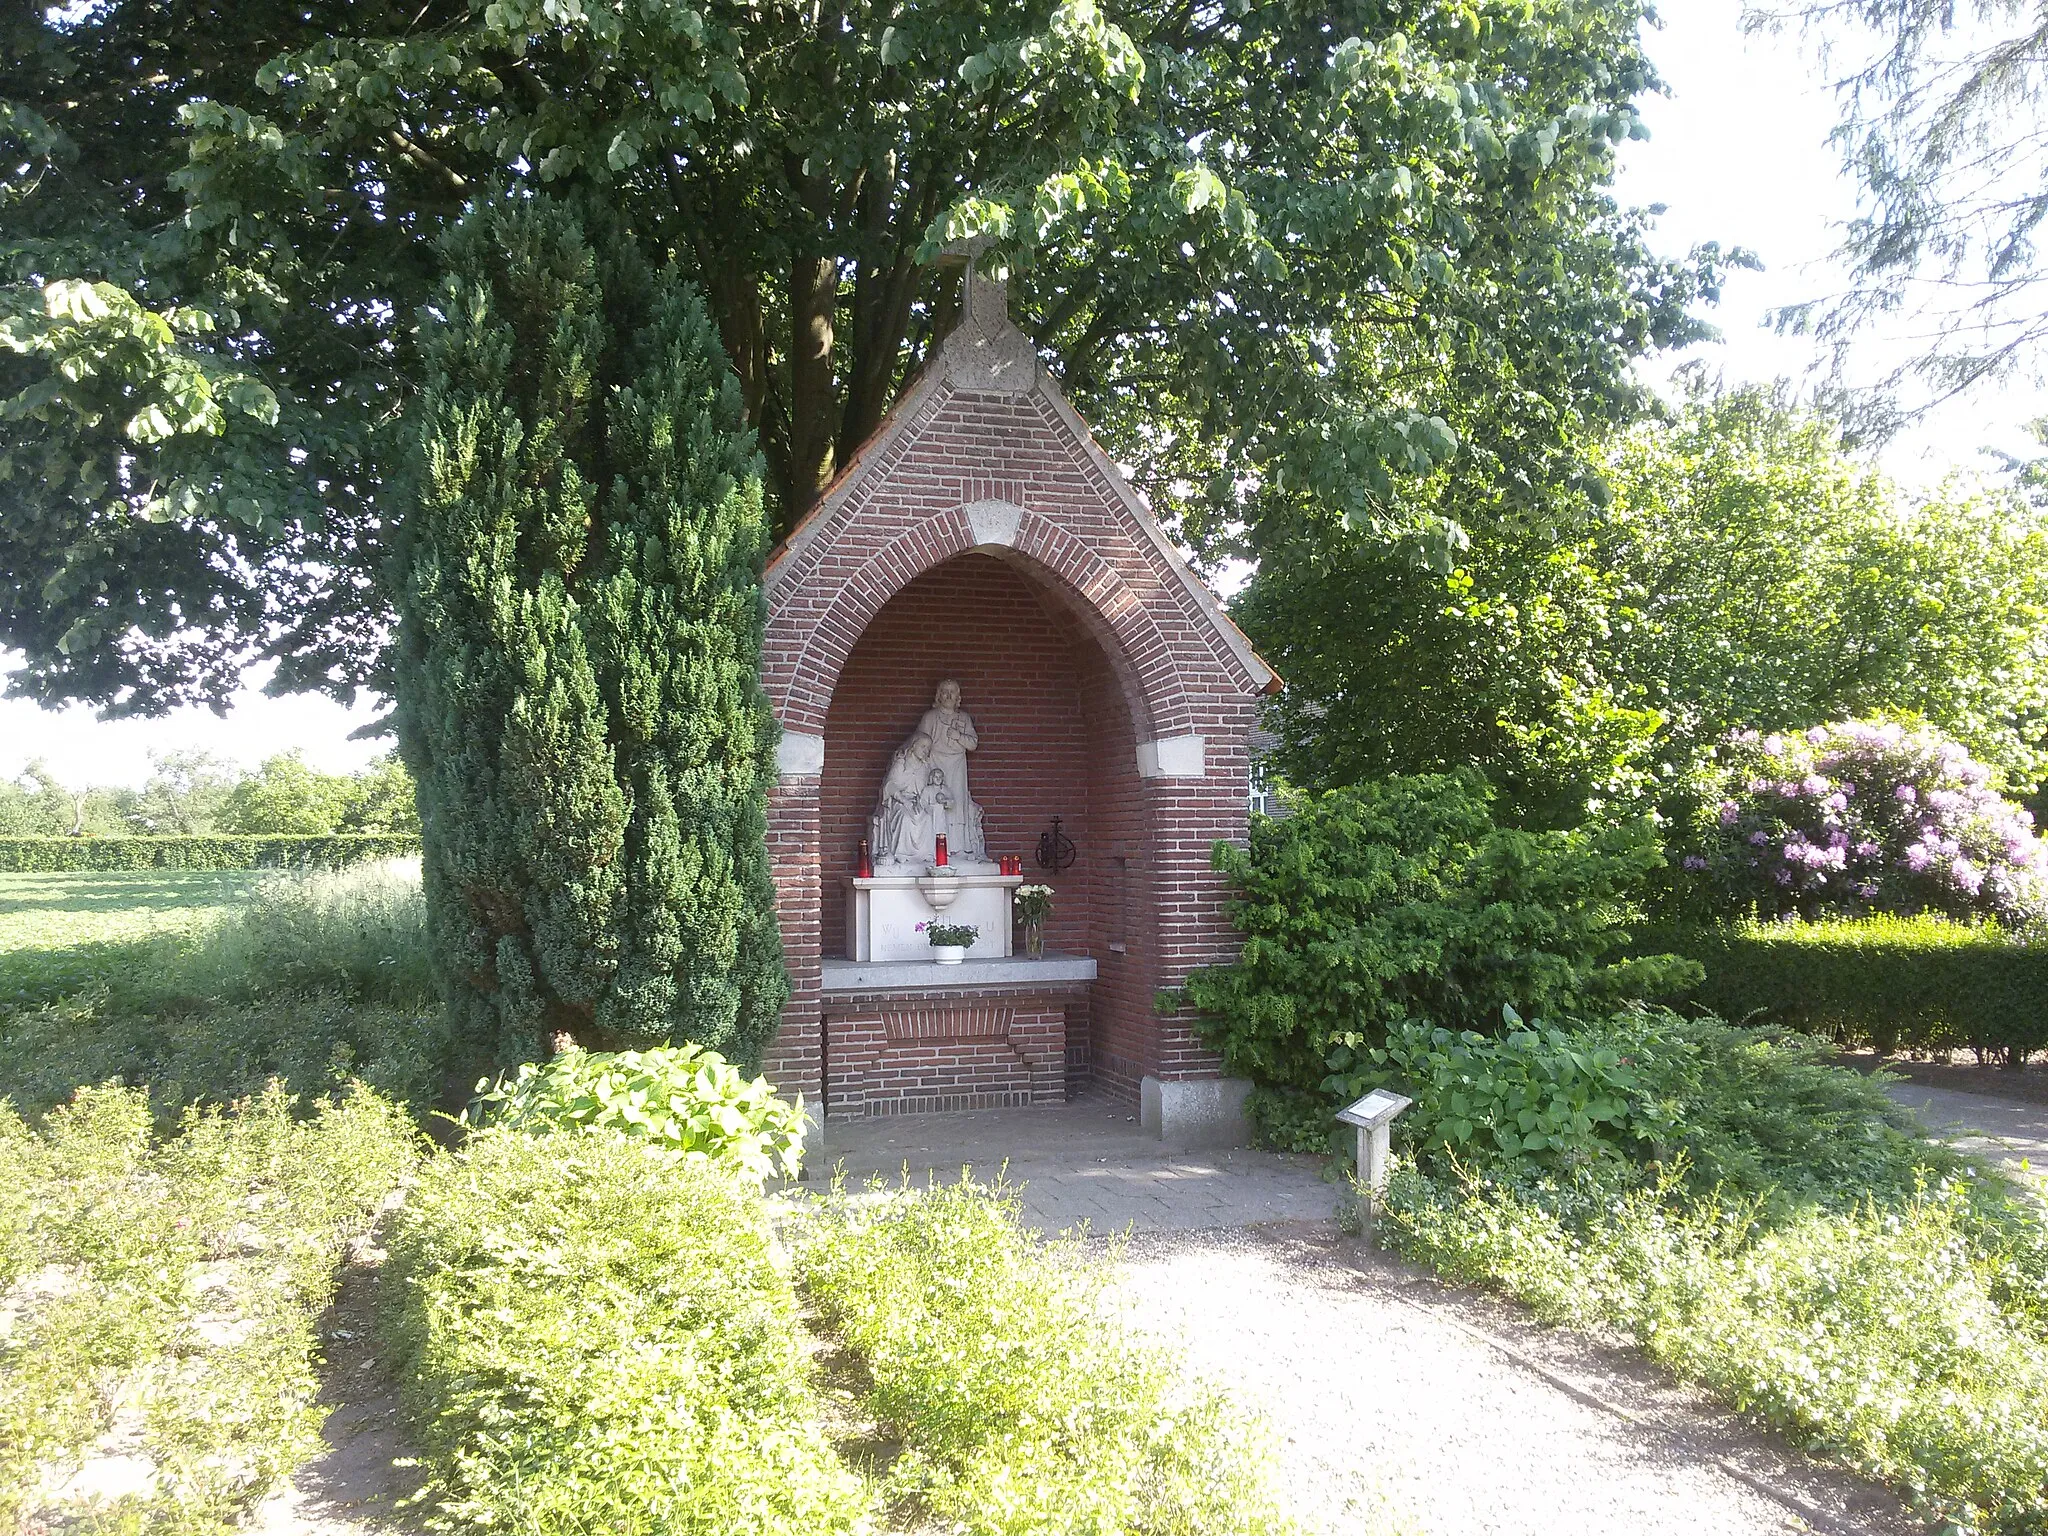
939, 858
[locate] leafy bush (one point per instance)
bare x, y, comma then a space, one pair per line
216, 1053
1860, 817
318, 977
176, 1284
594, 1339
1918, 983
1546, 1094
677, 1100
1023, 1404
1400, 900
1743, 1111
31, 855
1876, 1334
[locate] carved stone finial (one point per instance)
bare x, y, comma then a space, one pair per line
986, 352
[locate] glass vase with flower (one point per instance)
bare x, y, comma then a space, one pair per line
1033, 905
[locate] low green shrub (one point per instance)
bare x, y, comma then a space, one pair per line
1883, 1336
677, 1100
219, 1052
1023, 1405
1398, 900
1921, 983
591, 1338
316, 978
1746, 1112
1553, 1096
27, 855
175, 1285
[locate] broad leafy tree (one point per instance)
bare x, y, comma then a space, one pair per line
579, 648
1726, 566
1272, 246
1766, 577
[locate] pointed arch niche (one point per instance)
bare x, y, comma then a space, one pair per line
982, 536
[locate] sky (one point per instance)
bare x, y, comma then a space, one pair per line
1737, 153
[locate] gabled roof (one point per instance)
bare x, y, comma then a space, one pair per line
987, 355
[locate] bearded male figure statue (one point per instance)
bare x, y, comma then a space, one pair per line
925, 793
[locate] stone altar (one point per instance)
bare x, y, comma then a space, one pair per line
883, 911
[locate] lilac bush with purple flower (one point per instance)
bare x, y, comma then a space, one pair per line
1864, 816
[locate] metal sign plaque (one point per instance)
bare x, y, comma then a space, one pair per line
1374, 1110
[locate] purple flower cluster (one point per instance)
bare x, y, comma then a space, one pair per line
1862, 816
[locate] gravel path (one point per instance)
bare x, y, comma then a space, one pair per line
1406, 1406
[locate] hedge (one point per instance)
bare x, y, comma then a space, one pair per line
54, 855
1919, 983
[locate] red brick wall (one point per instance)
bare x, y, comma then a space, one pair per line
900, 1056
978, 621
1124, 914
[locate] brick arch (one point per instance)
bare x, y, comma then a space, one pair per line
1081, 580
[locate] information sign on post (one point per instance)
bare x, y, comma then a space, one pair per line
1372, 1115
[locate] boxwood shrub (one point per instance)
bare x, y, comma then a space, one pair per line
59, 855
1918, 983
592, 1338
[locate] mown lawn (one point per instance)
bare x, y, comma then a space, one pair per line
61, 932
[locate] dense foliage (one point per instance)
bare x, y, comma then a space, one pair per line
170, 1290
1920, 984
285, 794
1749, 1113
1857, 817
1269, 246
593, 1338
1770, 577
1728, 565
190, 794
310, 979
579, 653
680, 1101
51, 855
1401, 900
1024, 1406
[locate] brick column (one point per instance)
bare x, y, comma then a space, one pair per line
795, 1060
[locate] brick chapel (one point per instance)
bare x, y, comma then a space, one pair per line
982, 538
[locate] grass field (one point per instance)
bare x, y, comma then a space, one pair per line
61, 932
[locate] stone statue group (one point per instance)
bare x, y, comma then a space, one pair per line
925, 794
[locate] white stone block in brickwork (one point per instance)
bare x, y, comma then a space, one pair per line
883, 913
1172, 757
994, 522
797, 754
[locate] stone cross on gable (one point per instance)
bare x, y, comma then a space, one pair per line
985, 352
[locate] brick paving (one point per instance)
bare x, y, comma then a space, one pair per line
1084, 1162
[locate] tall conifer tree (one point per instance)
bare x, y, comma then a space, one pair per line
579, 650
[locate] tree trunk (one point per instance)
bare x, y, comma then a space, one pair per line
813, 395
